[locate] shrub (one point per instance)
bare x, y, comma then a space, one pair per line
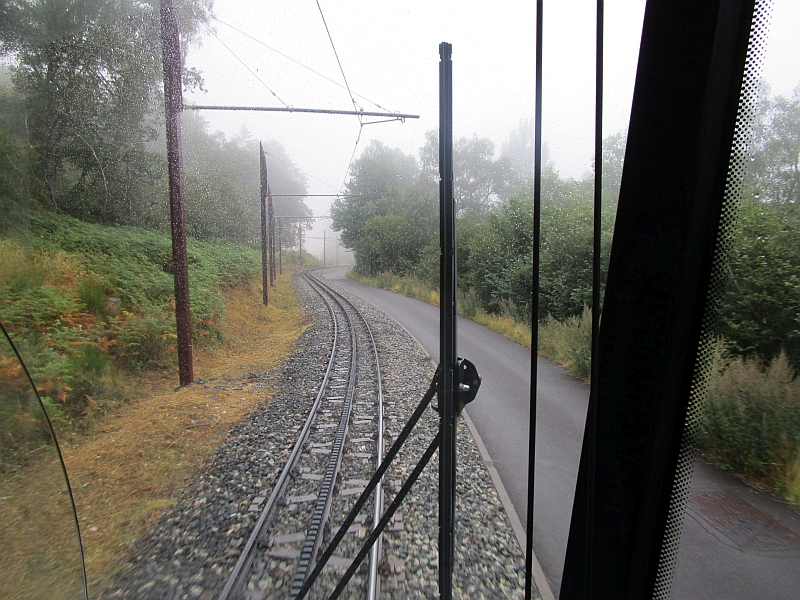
147, 341
751, 421
85, 379
569, 342
92, 295
468, 303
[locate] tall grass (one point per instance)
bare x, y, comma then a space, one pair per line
751, 420
569, 342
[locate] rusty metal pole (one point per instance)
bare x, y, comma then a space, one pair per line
271, 237
173, 104
264, 241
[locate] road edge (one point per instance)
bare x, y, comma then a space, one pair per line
539, 578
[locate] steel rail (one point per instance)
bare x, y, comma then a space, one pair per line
242, 568
313, 540
373, 582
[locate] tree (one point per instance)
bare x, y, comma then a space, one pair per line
90, 73
515, 167
476, 183
761, 306
776, 170
383, 182
613, 158
223, 183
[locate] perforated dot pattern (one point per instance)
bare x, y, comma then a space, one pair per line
737, 169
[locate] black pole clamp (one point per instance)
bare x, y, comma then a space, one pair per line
468, 382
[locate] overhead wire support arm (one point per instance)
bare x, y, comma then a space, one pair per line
320, 111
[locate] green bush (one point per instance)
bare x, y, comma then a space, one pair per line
751, 420
92, 295
569, 342
468, 303
85, 379
147, 341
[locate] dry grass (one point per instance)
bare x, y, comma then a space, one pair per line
132, 464
415, 288
506, 326
39, 552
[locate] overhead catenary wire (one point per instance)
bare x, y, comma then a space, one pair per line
353, 155
347, 85
336, 54
301, 170
253, 73
297, 62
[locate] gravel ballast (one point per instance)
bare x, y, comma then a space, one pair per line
192, 548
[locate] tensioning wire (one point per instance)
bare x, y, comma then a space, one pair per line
297, 62
253, 73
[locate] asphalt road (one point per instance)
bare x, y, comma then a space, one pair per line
737, 544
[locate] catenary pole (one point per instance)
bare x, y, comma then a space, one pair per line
173, 104
447, 328
264, 234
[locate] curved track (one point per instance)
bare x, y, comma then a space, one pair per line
333, 452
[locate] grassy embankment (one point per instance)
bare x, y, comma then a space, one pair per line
90, 310
751, 419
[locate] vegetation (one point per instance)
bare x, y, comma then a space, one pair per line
393, 232
751, 422
85, 303
137, 459
82, 125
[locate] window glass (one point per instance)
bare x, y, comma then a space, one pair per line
40, 553
740, 536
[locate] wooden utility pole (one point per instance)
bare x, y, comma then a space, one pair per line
264, 235
173, 104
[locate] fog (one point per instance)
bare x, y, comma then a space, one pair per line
389, 54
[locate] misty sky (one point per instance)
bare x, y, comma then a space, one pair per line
389, 53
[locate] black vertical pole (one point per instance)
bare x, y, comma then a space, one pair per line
447, 327
271, 214
173, 104
591, 420
264, 235
280, 249
537, 218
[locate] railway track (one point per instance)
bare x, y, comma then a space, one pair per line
336, 454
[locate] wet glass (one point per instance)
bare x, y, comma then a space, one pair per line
740, 535
107, 164
40, 552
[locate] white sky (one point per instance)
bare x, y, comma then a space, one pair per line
389, 52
